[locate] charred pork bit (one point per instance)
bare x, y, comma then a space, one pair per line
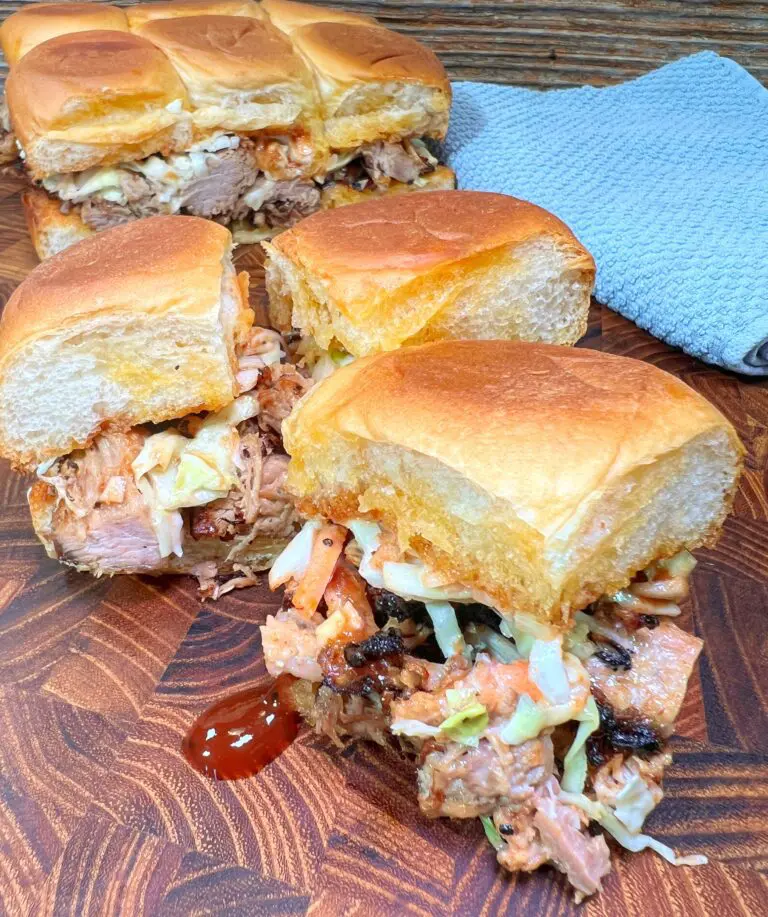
654, 687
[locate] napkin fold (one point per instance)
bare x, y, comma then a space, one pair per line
663, 178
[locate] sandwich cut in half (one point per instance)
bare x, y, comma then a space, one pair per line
429, 267
212, 110
136, 387
497, 546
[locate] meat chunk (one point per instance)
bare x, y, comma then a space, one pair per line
462, 782
384, 161
100, 214
584, 859
279, 388
290, 645
291, 201
654, 687
8, 148
229, 175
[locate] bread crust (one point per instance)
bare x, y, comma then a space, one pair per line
288, 16
141, 13
50, 230
215, 52
159, 265
36, 23
513, 417
64, 118
388, 242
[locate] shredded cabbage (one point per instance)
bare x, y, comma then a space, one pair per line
293, 561
469, 721
407, 581
575, 763
681, 564
491, 832
526, 722
547, 670
480, 636
577, 641
447, 632
368, 536
414, 728
632, 842
634, 803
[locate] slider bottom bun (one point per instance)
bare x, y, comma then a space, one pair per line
52, 231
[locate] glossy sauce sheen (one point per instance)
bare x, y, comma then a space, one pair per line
241, 734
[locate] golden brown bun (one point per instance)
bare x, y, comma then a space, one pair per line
135, 324
142, 13
374, 83
287, 15
542, 476
431, 266
67, 119
240, 73
36, 23
51, 230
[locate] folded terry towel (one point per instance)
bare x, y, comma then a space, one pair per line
664, 179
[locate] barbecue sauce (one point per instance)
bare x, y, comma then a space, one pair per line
241, 734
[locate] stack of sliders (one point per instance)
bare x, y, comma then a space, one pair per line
251, 115
445, 265
497, 548
135, 385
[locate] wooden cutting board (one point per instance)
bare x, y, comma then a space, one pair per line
100, 814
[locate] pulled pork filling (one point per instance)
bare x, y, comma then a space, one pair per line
260, 185
204, 495
535, 732
8, 148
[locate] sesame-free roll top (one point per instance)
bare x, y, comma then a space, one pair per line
94, 98
537, 476
37, 22
137, 324
240, 73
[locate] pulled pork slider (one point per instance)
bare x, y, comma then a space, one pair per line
451, 264
159, 447
210, 109
497, 548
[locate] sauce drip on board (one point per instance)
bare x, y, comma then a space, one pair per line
241, 734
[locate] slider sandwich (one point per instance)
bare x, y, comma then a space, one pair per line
497, 549
213, 110
136, 387
428, 267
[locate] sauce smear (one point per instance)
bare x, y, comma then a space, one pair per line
241, 734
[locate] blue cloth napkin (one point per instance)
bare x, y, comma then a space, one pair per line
664, 179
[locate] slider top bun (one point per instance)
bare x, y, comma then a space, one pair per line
38, 22
543, 476
374, 83
141, 13
135, 324
93, 98
240, 73
287, 15
381, 273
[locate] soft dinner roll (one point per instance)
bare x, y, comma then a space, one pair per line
65, 118
374, 83
541, 476
454, 264
136, 325
141, 13
240, 73
37, 22
287, 15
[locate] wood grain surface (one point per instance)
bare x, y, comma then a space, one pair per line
566, 42
99, 679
